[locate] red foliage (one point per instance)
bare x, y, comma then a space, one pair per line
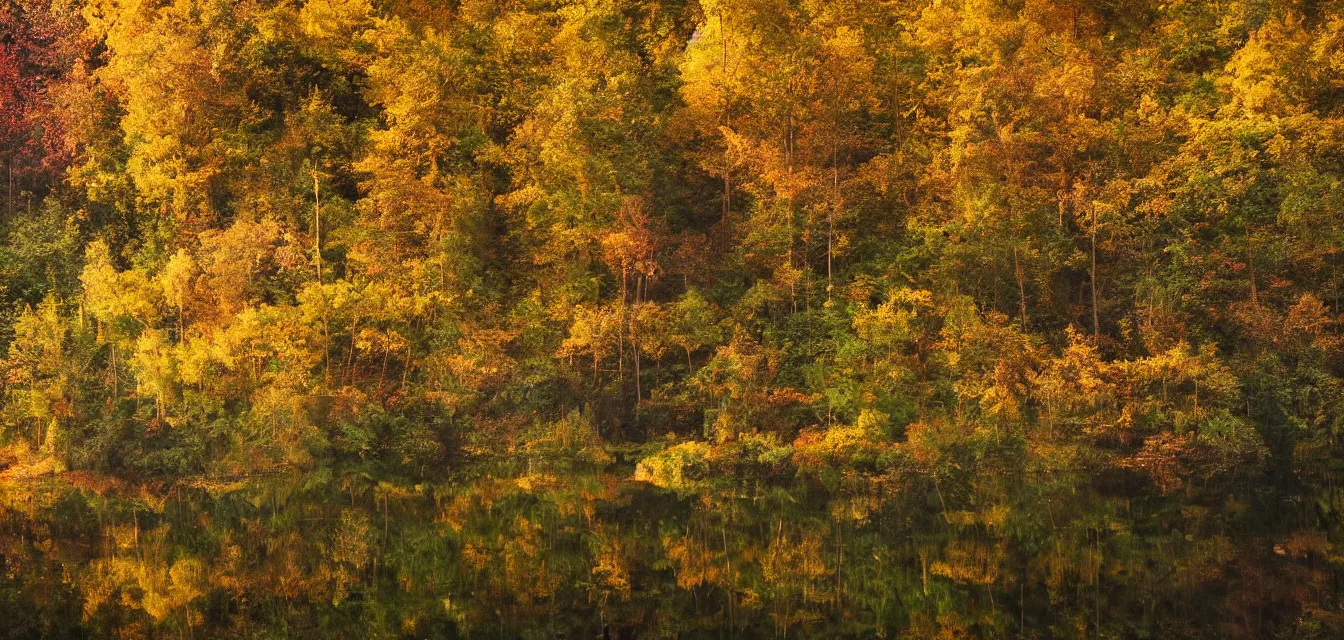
37, 46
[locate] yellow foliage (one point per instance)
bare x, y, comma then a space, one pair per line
668, 468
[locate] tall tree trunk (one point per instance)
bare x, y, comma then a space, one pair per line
788, 161
382, 373
1096, 325
727, 122
350, 360
1021, 289
634, 339
835, 207
317, 258
620, 330
1250, 266
317, 226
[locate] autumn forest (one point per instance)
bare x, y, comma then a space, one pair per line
953, 319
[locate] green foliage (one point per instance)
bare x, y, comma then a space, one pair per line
344, 318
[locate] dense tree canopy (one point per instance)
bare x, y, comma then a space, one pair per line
666, 318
